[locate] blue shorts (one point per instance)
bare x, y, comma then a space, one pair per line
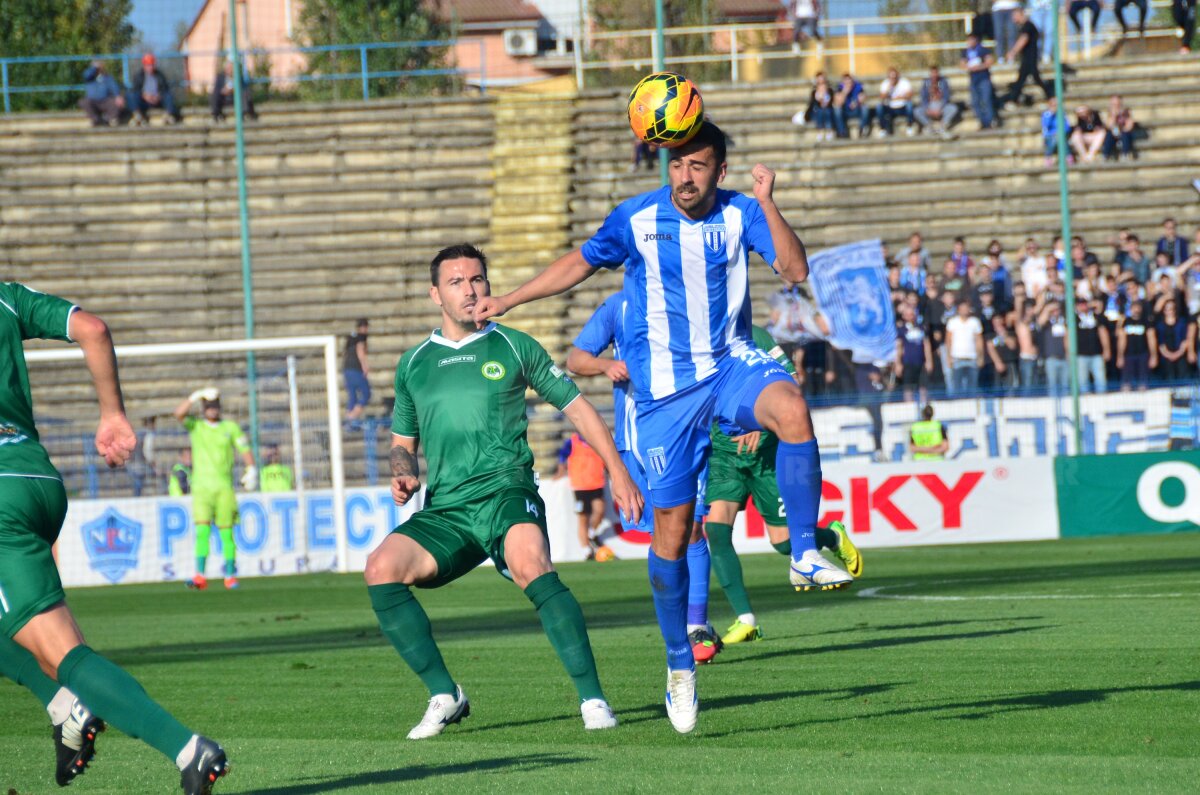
638, 473
673, 432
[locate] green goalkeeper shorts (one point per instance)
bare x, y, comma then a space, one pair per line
733, 478
31, 514
217, 503
462, 535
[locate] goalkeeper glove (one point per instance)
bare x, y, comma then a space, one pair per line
250, 478
208, 393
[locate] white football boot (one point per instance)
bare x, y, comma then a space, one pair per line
683, 707
443, 710
597, 714
813, 571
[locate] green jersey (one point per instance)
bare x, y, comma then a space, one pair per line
213, 448
465, 401
25, 314
764, 340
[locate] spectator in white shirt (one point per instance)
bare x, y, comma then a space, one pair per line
895, 99
964, 342
1033, 269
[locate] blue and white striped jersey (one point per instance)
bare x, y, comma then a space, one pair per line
604, 328
686, 283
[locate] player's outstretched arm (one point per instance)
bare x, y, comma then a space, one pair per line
791, 260
115, 439
581, 362
406, 470
562, 274
591, 427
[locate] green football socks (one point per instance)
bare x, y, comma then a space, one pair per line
17, 664
562, 619
228, 550
117, 697
726, 566
405, 623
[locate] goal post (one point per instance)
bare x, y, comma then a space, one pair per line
123, 526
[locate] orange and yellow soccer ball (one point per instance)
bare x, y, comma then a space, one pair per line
665, 109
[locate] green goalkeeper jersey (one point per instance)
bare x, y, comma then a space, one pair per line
25, 314
214, 445
762, 339
465, 401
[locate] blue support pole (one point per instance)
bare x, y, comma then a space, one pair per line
4, 80
362, 63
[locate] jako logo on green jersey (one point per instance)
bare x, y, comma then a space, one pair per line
493, 371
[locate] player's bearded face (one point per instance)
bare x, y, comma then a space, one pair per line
694, 175
461, 283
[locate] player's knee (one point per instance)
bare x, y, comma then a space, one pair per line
792, 421
384, 566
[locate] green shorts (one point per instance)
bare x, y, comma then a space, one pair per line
31, 514
733, 478
461, 535
214, 503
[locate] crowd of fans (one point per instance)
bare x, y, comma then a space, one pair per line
107, 104
996, 319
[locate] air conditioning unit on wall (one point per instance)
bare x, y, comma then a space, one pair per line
521, 41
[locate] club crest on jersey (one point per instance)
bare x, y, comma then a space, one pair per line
112, 542
492, 371
714, 237
658, 459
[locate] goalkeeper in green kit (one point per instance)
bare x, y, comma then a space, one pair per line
215, 443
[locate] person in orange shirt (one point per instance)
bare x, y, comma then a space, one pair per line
583, 466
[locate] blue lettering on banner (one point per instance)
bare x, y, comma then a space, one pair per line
355, 504
393, 510
286, 507
174, 522
254, 528
320, 523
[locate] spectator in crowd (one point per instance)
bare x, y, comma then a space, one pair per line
963, 264
584, 468
1004, 352
1184, 14
895, 99
355, 371
1041, 13
150, 89
1121, 131
1132, 260
1000, 269
977, 60
643, 154
1094, 351
1027, 343
1175, 335
1187, 278
916, 243
820, 107
984, 304
1050, 132
179, 483
1004, 24
1143, 7
936, 112
927, 439
914, 353
848, 104
1087, 139
805, 16
1025, 52
952, 283
102, 100
276, 476
1137, 349
1052, 342
964, 340
912, 275
223, 94
1033, 269
1171, 244
1077, 7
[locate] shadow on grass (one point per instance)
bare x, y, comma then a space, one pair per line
415, 773
657, 711
868, 627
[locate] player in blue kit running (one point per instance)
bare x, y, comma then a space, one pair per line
685, 248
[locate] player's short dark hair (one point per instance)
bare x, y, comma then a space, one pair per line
927, 412
709, 135
457, 251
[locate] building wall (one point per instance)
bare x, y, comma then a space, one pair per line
261, 24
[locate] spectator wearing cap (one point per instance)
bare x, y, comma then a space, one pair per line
355, 371
150, 89
102, 100
1171, 243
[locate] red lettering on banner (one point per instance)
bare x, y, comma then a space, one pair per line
951, 498
863, 500
829, 493
755, 526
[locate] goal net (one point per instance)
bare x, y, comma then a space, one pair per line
124, 525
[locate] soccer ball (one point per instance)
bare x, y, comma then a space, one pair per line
604, 554
665, 109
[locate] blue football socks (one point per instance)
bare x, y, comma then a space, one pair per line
669, 587
698, 564
798, 472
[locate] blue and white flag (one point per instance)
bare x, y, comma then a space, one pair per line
851, 287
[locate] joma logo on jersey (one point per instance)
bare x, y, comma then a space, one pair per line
492, 371
656, 236
714, 237
465, 358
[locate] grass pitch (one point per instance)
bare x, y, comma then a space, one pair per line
1065, 666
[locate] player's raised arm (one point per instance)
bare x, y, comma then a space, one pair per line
791, 260
591, 427
406, 470
581, 362
561, 275
115, 439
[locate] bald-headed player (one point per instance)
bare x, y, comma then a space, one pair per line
461, 394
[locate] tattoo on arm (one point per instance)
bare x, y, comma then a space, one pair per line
404, 463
